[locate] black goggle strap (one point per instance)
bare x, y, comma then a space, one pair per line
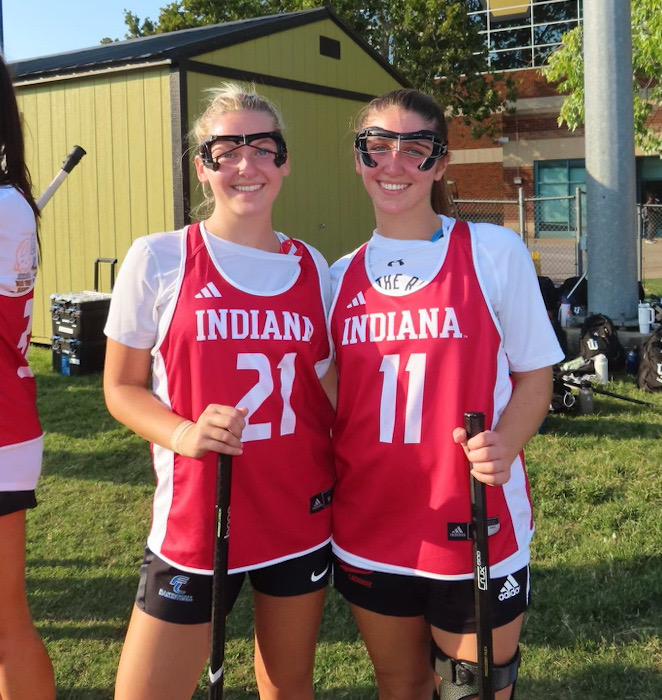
280, 154
439, 146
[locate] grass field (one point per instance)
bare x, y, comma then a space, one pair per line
593, 630
653, 287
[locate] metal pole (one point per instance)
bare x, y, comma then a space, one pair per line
581, 239
640, 240
2, 33
522, 217
610, 161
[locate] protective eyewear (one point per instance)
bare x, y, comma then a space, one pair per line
217, 148
425, 145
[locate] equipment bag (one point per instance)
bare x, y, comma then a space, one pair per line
649, 376
563, 400
656, 305
579, 295
550, 295
598, 336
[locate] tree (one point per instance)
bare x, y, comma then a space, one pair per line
432, 43
185, 14
566, 68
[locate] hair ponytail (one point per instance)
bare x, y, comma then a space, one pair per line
441, 199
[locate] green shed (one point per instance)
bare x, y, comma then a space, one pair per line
131, 104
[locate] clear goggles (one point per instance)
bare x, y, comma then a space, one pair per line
218, 149
423, 147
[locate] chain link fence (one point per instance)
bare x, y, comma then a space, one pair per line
554, 231
650, 219
650, 232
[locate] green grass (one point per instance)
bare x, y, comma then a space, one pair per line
653, 287
593, 630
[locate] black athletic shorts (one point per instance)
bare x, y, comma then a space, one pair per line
173, 595
13, 501
448, 605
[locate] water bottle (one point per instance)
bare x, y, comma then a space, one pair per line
601, 368
585, 400
564, 312
632, 361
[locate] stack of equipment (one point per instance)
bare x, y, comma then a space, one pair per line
78, 320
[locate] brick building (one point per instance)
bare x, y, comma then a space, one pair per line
533, 152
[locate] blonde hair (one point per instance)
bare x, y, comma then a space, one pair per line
228, 97
231, 97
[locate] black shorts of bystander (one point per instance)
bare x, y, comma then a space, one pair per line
13, 501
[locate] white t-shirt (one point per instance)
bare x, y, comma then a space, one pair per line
18, 243
506, 273
20, 459
147, 282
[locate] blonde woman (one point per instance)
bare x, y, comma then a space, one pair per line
227, 319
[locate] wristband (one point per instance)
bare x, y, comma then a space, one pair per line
178, 435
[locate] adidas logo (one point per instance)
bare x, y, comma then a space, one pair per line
457, 534
509, 589
208, 291
358, 300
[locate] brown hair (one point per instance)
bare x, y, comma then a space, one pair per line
13, 168
430, 112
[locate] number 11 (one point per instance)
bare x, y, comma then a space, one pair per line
415, 368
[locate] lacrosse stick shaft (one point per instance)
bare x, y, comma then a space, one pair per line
219, 586
474, 423
579, 385
70, 162
572, 291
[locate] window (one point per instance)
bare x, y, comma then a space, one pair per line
526, 35
556, 183
329, 47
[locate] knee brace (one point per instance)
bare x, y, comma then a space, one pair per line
459, 679
435, 694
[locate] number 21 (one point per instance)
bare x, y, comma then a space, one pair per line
261, 391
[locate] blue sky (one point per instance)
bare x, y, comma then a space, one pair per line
41, 27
